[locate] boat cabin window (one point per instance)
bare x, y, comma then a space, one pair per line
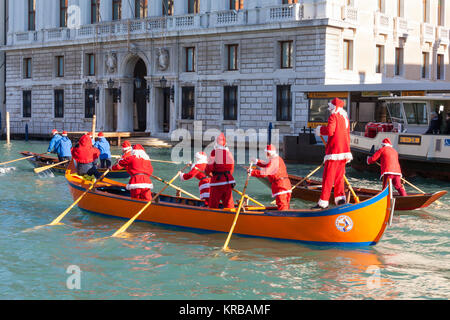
318, 109
395, 112
416, 112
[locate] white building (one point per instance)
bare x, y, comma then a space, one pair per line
157, 65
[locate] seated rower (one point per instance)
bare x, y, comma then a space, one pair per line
63, 148
198, 171
105, 150
275, 171
85, 155
140, 169
390, 166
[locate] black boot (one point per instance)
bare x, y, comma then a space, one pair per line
341, 202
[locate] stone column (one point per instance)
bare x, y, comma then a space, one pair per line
155, 9
125, 109
106, 10
151, 120
85, 12
180, 7
128, 9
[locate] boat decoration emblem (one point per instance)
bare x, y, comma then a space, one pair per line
344, 223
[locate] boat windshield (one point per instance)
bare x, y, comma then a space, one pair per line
416, 112
395, 112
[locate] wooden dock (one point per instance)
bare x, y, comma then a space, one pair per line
114, 138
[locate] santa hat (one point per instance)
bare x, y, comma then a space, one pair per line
126, 146
221, 142
100, 134
201, 157
386, 143
54, 131
89, 134
335, 104
64, 134
139, 152
271, 150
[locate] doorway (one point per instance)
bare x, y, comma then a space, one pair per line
140, 96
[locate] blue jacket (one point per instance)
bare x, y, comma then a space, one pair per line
103, 146
63, 147
53, 143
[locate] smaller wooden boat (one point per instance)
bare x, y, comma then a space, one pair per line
44, 160
360, 224
310, 190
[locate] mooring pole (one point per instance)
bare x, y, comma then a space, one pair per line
8, 140
269, 134
26, 132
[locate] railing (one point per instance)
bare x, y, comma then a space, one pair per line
350, 14
427, 32
401, 26
382, 23
285, 12
442, 34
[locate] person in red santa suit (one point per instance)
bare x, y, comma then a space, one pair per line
337, 154
126, 152
139, 167
390, 167
275, 171
221, 167
198, 171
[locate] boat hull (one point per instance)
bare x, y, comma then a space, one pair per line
313, 189
350, 225
43, 160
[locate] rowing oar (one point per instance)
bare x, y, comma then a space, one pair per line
153, 160
241, 202
126, 225
29, 157
176, 188
345, 178
303, 180
62, 215
414, 187
41, 169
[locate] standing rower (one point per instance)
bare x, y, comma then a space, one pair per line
337, 154
198, 171
275, 170
390, 167
221, 167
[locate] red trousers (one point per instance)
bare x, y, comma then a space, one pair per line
143, 194
283, 201
221, 193
333, 174
396, 183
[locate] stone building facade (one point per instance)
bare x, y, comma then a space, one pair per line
163, 64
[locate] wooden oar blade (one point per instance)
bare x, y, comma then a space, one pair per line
41, 169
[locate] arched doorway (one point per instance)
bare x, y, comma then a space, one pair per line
140, 95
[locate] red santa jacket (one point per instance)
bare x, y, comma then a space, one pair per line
338, 132
221, 167
140, 171
197, 171
124, 156
84, 152
388, 159
276, 171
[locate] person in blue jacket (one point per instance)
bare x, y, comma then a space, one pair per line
105, 152
54, 141
63, 148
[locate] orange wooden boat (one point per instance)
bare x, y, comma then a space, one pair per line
310, 190
43, 160
360, 224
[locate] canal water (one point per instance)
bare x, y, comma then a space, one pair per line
412, 260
